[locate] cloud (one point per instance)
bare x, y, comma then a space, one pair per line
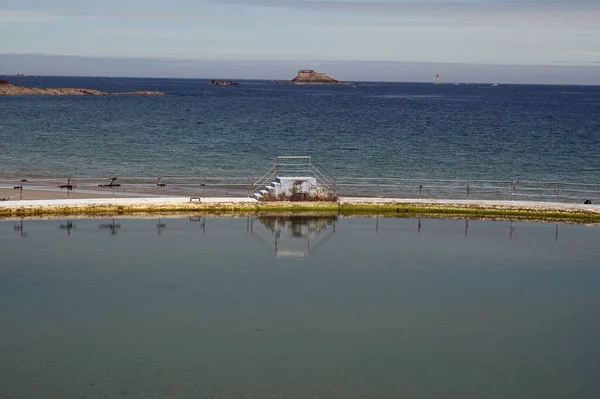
421, 6
533, 11
27, 16
48, 16
460, 11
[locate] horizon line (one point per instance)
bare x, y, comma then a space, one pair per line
342, 83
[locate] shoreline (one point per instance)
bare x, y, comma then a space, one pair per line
347, 206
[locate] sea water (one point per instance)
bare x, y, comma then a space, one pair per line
406, 130
292, 307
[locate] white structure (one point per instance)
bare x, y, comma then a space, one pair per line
294, 178
294, 236
290, 186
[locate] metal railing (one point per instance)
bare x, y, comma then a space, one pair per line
387, 187
510, 190
201, 186
296, 166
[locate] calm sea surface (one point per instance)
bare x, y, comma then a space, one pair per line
405, 130
301, 308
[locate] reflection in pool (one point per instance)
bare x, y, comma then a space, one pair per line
295, 307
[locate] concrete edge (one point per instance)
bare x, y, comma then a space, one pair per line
349, 204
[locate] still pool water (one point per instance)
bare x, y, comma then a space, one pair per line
298, 308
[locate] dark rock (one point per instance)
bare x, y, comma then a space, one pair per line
310, 76
8, 89
223, 83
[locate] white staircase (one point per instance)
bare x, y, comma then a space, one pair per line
297, 176
272, 186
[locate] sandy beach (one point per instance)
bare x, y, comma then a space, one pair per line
50, 195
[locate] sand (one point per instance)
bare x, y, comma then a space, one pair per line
50, 195
48, 202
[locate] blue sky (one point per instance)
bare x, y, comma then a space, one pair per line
485, 32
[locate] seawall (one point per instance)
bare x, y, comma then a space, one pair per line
345, 205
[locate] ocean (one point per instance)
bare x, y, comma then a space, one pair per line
400, 130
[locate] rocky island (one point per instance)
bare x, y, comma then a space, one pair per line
8, 89
308, 76
223, 83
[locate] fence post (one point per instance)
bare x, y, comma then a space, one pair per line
21, 189
160, 186
334, 185
467, 189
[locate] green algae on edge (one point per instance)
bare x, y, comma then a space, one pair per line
358, 209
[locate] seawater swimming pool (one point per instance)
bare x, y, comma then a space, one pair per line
298, 307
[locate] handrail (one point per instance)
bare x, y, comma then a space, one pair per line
348, 180
261, 181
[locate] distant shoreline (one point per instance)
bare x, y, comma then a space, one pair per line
281, 81
8, 89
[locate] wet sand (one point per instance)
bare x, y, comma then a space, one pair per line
50, 195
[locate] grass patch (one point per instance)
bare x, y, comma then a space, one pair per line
390, 210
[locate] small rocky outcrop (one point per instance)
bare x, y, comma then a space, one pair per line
8, 89
142, 93
308, 76
223, 83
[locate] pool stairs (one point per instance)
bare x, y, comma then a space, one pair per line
269, 188
290, 176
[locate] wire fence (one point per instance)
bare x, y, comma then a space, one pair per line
517, 190
385, 187
202, 186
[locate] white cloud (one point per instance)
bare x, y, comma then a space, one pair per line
47, 16
27, 16
474, 31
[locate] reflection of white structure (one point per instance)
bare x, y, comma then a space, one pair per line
294, 236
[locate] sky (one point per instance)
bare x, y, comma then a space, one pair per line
491, 35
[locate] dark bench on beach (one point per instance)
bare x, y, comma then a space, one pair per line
68, 186
112, 184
